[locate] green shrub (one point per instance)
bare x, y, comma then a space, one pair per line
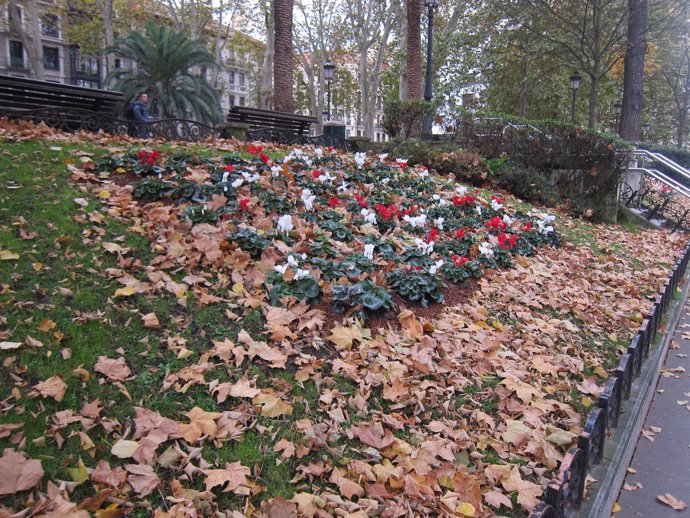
364, 293
404, 118
416, 285
526, 183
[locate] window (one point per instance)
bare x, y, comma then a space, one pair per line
243, 101
49, 25
232, 100
242, 79
10, 16
231, 79
16, 54
118, 63
51, 58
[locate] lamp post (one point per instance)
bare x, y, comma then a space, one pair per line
575, 85
618, 107
328, 71
430, 5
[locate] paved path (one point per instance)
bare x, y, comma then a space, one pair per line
663, 466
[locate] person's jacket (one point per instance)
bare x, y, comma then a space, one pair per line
141, 111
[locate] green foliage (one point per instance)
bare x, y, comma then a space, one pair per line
249, 241
152, 189
165, 60
402, 118
200, 214
304, 289
459, 274
416, 285
526, 183
364, 293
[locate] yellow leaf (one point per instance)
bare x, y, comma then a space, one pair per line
120, 170
125, 292
37, 266
104, 195
184, 353
238, 288
586, 402
79, 474
465, 509
631, 470
6, 255
46, 325
616, 508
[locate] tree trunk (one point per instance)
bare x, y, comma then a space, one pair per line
266, 88
413, 57
593, 113
283, 64
105, 7
30, 35
633, 77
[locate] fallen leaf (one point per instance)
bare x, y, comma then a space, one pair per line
234, 475
142, 478
150, 320
52, 387
116, 370
124, 449
672, 501
271, 406
17, 473
10, 345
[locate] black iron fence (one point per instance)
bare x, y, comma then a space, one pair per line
655, 201
565, 492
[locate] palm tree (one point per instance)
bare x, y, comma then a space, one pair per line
413, 56
283, 61
165, 62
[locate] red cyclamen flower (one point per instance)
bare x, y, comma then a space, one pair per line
243, 204
334, 201
460, 233
263, 157
229, 168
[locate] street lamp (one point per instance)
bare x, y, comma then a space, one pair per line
328, 71
618, 107
575, 85
430, 5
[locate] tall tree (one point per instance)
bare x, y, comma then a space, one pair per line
192, 16
633, 78
413, 54
105, 7
29, 32
165, 63
266, 85
283, 63
370, 25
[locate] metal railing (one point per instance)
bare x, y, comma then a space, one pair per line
654, 194
565, 492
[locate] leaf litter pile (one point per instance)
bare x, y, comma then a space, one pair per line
309, 333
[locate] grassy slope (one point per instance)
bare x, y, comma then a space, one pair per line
59, 244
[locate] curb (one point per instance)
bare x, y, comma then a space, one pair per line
604, 448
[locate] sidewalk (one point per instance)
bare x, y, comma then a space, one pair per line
661, 463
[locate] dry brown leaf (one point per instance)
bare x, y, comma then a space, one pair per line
672, 501
234, 475
142, 478
17, 473
116, 370
52, 387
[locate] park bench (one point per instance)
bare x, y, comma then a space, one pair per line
58, 105
284, 128
271, 125
74, 108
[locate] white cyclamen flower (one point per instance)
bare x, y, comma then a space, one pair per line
416, 221
237, 183
423, 246
462, 190
434, 268
439, 222
385, 181
308, 199
507, 219
360, 158
318, 152
226, 174
496, 205
383, 156
291, 261
368, 216
301, 274
275, 171
485, 250
479, 209
281, 269
285, 224
369, 251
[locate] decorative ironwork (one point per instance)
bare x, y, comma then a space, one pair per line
543, 510
565, 492
653, 202
290, 139
73, 119
635, 352
624, 373
610, 401
591, 439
